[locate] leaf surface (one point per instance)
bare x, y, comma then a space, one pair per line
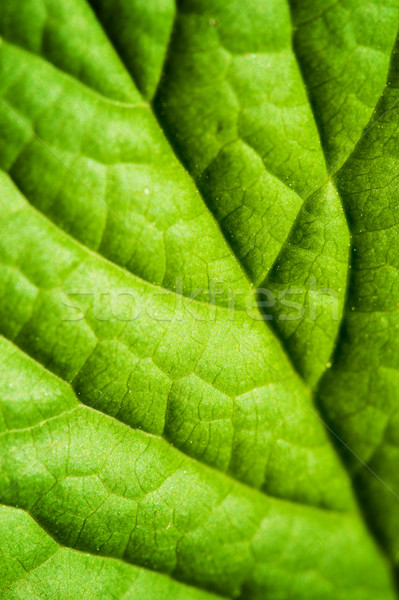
198, 299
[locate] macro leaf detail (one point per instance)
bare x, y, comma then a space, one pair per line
198, 300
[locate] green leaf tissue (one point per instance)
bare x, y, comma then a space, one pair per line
199, 299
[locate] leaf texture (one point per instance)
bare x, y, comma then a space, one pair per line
198, 299
102, 487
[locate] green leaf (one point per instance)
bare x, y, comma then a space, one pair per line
102, 487
198, 299
364, 377
32, 562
